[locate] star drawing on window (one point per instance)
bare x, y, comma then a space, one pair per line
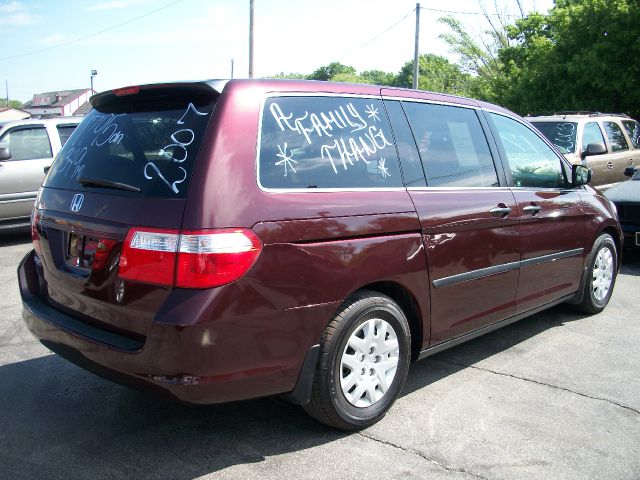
287, 159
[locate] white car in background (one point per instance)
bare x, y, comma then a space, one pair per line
27, 147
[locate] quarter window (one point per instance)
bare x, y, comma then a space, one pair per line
452, 146
591, 134
65, 131
27, 143
326, 142
633, 129
616, 137
531, 161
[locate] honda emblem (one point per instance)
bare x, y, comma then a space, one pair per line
76, 202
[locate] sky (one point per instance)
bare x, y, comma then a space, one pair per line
54, 45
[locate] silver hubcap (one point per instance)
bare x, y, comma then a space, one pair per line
369, 362
602, 274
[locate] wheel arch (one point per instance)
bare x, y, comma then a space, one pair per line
409, 306
617, 240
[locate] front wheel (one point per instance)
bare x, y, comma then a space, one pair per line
363, 362
601, 275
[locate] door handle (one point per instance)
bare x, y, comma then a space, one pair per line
532, 209
500, 211
609, 165
46, 169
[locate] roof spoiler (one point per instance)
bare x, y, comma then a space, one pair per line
206, 87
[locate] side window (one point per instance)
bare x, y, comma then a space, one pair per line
27, 143
452, 146
616, 137
412, 172
531, 161
633, 129
591, 134
326, 142
65, 131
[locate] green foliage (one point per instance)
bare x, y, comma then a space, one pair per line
378, 77
330, 71
584, 55
436, 74
12, 103
337, 72
296, 76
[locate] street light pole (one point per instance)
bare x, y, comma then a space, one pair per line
93, 74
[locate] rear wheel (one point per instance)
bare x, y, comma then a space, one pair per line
363, 362
601, 276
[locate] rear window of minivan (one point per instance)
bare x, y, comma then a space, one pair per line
142, 144
326, 142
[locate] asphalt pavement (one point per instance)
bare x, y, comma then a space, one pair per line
554, 396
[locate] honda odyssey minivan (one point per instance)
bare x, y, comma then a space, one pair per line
217, 241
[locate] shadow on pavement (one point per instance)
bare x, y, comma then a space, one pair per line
15, 237
630, 262
59, 421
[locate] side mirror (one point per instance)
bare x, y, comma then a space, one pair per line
5, 153
630, 171
580, 175
594, 149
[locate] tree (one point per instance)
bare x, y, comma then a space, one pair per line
378, 77
298, 76
12, 103
584, 55
330, 71
436, 74
479, 54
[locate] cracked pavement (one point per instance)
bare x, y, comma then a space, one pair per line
554, 396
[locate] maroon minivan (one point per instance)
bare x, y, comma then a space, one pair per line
219, 241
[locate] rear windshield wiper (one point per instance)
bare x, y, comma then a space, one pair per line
104, 183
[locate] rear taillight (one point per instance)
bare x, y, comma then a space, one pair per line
149, 256
188, 259
35, 235
209, 259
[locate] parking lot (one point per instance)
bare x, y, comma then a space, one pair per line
553, 396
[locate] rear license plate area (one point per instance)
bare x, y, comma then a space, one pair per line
81, 250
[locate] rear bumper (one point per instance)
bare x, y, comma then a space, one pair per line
214, 361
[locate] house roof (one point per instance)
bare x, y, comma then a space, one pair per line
4, 109
55, 99
83, 109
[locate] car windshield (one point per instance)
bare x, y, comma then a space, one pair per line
140, 145
561, 134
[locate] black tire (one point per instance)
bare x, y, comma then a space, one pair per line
593, 299
328, 402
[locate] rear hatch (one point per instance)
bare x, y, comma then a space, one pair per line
121, 179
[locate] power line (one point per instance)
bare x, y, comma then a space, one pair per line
90, 35
469, 13
381, 33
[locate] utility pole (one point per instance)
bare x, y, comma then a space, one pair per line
416, 53
250, 38
6, 87
232, 69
